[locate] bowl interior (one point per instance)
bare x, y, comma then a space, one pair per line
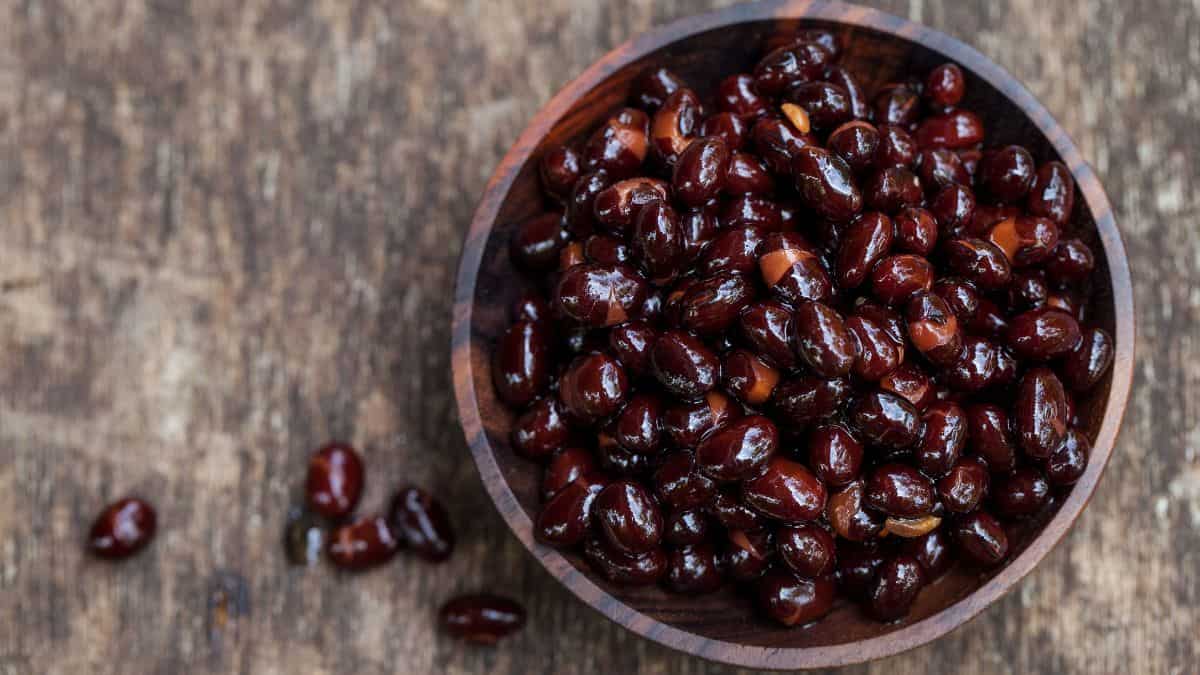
702, 59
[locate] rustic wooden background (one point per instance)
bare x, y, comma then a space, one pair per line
229, 230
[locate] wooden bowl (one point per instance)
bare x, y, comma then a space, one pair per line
723, 626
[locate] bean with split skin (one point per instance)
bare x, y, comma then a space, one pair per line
689, 422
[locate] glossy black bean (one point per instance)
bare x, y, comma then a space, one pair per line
541, 429
600, 295
593, 387
777, 142
736, 94
738, 450
1071, 261
362, 544
975, 368
481, 618
1007, 173
979, 261
860, 107
786, 491
896, 147
689, 526
954, 208
988, 431
942, 439
955, 129
683, 364
1069, 460
897, 104
536, 243
1022, 493
712, 304
885, 419
867, 240
620, 145
891, 189
933, 552
916, 231
982, 538
422, 523
675, 124
856, 142
638, 426
1025, 240
1087, 363
335, 480
565, 518
911, 383
964, 486
1052, 194
826, 184
1040, 413
792, 270
122, 529
560, 167
848, 515
823, 341
628, 570
806, 399
628, 517
747, 175
767, 327
877, 354
748, 377
689, 422
790, 65
808, 549
896, 586
896, 278
564, 468
899, 490
827, 104
945, 85
700, 172
521, 362
693, 569
793, 600
652, 87
734, 251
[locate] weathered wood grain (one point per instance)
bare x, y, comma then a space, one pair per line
228, 231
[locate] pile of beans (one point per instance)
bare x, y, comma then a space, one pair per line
797, 338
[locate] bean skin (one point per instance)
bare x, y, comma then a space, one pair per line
748, 378
916, 232
978, 260
600, 295
792, 270
560, 167
910, 383
964, 486
933, 551
1040, 414
896, 278
564, 518
675, 125
565, 468
848, 516
1024, 240
482, 618
877, 354
933, 328
700, 172
619, 146
736, 94
711, 305
637, 427
1042, 334
955, 129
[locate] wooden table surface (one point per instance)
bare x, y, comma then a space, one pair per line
229, 231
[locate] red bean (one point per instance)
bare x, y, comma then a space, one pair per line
954, 208
736, 94
807, 399
896, 278
1069, 460
730, 128
858, 566
594, 386
365, 543
335, 480
712, 305
790, 65
792, 270
975, 368
982, 538
748, 378
747, 175
964, 486
940, 168
856, 142
877, 354
1087, 363
795, 601
600, 295
683, 364
679, 484
1040, 414
835, 454
620, 145
864, 243
892, 189
911, 383
987, 428
945, 85
1044, 333
565, 517
521, 363
1070, 261
675, 124
1053, 193
690, 422
978, 260
895, 588
786, 491
942, 439
827, 105
900, 490
823, 341
896, 147
777, 142
481, 618
897, 104
767, 326
739, 450
749, 552
123, 528
693, 569
541, 429
617, 205
689, 526
537, 242
848, 516
808, 549
734, 251
751, 211
933, 551
421, 522
629, 570
933, 328
859, 107
1025, 240
1022, 493
733, 515
826, 184
566, 467
637, 427
700, 172
560, 167
955, 129
916, 232
1007, 173
628, 517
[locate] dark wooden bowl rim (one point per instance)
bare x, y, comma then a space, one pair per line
908, 637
